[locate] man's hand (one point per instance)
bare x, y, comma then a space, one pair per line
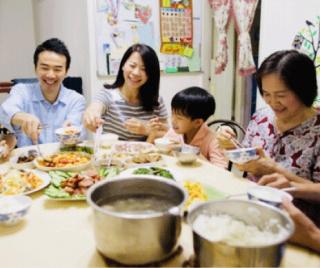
29, 124
4, 150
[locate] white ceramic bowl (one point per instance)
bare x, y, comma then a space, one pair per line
68, 135
188, 154
26, 160
164, 144
13, 208
269, 195
108, 139
242, 155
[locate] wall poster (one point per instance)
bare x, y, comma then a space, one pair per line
121, 23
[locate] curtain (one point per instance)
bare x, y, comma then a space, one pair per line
243, 13
222, 12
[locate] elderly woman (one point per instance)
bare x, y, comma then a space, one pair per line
288, 130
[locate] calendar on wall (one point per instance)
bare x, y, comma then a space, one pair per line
175, 35
176, 27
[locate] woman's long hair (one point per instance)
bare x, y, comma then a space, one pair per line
149, 91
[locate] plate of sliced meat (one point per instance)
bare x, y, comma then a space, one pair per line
68, 185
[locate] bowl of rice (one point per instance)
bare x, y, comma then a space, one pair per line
239, 233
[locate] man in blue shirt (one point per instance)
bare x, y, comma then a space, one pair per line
47, 102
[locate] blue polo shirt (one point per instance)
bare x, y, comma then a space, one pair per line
28, 98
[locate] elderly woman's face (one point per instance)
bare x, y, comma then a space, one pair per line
282, 101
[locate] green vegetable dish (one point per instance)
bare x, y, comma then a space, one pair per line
156, 171
73, 185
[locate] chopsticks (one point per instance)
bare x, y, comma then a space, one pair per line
236, 143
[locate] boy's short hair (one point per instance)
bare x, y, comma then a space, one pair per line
194, 102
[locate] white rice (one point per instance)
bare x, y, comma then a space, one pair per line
224, 228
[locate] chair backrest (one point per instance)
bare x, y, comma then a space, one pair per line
236, 127
70, 82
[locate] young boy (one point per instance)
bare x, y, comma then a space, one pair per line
191, 108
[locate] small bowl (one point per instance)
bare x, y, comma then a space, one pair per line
269, 195
242, 155
68, 135
13, 208
108, 139
188, 154
24, 160
164, 145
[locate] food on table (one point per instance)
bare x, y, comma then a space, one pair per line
64, 159
15, 182
234, 232
73, 185
146, 158
156, 171
25, 158
70, 131
77, 148
144, 204
196, 192
133, 148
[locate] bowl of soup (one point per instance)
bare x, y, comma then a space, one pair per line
68, 135
137, 219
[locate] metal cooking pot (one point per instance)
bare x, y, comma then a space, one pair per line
136, 239
209, 254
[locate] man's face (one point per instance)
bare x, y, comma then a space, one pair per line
51, 70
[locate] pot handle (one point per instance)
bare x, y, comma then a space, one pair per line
175, 211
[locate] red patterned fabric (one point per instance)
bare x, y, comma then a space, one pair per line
297, 149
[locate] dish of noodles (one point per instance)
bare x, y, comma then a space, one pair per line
22, 181
70, 161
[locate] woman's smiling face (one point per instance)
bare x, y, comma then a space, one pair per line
134, 71
284, 102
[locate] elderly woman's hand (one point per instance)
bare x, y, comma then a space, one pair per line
259, 167
275, 180
306, 233
225, 135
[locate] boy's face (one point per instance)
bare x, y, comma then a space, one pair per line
182, 124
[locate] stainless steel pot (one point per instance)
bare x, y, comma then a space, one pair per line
137, 239
209, 254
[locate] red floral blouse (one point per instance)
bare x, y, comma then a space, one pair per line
297, 149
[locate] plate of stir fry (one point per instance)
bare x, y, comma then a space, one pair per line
22, 181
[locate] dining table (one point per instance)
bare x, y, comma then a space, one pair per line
58, 233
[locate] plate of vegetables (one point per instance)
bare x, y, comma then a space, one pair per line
152, 170
69, 185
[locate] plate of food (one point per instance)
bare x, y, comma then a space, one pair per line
133, 147
151, 170
22, 181
198, 192
23, 160
68, 161
70, 185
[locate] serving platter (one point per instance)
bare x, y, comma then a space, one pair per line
67, 161
21, 179
152, 170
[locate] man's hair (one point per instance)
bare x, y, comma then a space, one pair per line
194, 103
54, 45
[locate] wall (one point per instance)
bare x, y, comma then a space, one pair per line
277, 31
16, 39
73, 22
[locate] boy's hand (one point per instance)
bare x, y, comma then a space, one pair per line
4, 150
